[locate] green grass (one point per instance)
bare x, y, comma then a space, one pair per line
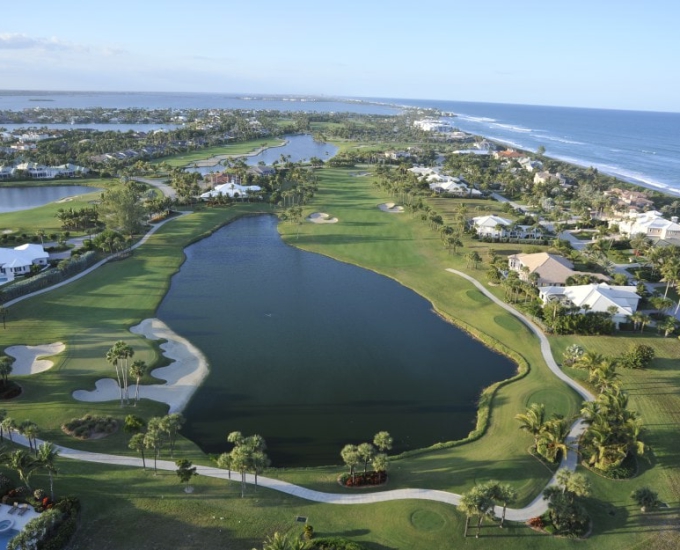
131, 508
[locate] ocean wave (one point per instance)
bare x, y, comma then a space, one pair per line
630, 176
563, 140
512, 128
476, 118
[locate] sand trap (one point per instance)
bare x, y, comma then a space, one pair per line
26, 358
391, 208
321, 217
361, 174
7, 231
183, 376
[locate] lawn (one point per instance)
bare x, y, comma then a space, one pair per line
132, 509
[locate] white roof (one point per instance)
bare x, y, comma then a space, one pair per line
599, 297
22, 256
231, 190
490, 221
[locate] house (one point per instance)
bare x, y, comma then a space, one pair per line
530, 165
633, 199
19, 260
599, 297
651, 224
508, 154
433, 125
546, 177
491, 226
552, 270
232, 190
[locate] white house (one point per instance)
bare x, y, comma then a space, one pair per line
433, 125
596, 297
491, 226
652, 224
232, 190
18, 261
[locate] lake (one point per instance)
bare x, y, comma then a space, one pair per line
312, 353
297, 148
13, 199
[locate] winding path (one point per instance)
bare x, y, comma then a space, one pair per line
537, 507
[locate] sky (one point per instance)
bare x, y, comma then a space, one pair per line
618, 54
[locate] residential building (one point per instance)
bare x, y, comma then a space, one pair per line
596, 297
552, 270
19, 260
651, 223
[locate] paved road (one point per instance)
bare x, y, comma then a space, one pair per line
164, 188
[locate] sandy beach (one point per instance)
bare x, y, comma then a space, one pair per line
391, 208
183, 376
321, 217
26, 357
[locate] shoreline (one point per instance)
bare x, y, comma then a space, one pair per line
183, 376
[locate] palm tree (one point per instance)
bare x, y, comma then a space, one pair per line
29, 430
171, 424
350, 455
9, 425
366, 453
533, 420
240, 461
476, 502
23, 463
5, 368
137, 370
383, 441
137, 443
551, 439
46, 457
224, 461
501, 492
645, 498
153, 439
668, 325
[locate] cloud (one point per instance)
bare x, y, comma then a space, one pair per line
17, 41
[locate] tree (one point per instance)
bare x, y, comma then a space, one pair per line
551, 439
185, 471
8, 426
645, 498
138, 443
283, 542
240, 461
668, 325
5, 368
383, 441
30, 431
154, 440
640, 356
224, 461
23, 463
476, 502
350, 455
366, 453
532, 420
380, 462
133, 424
572, 354
503, 493
171, 424
47, 455
137, 370
122, 209
118, 356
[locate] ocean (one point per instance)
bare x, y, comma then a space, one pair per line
640, 147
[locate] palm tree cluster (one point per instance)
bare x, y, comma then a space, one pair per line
481, 500
564, 507
353, 455
119, 356
40, 458
549, 434
153, 436
247, 455
613, 432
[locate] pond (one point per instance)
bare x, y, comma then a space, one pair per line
297, 148
13, 199
312, 353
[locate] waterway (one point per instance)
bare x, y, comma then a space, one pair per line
25, 197
312, 353
297, 148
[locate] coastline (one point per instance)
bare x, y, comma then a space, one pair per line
182, 377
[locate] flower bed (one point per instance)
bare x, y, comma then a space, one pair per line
90, 427
369, 479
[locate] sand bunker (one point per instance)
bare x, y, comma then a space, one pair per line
183, 376
26, 358
321, 217
391, 208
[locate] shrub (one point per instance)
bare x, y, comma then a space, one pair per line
309, 532
5, 484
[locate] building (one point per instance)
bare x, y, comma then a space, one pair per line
599, 297
651, 224
19, 260
491, 226
552, 270
232, 190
